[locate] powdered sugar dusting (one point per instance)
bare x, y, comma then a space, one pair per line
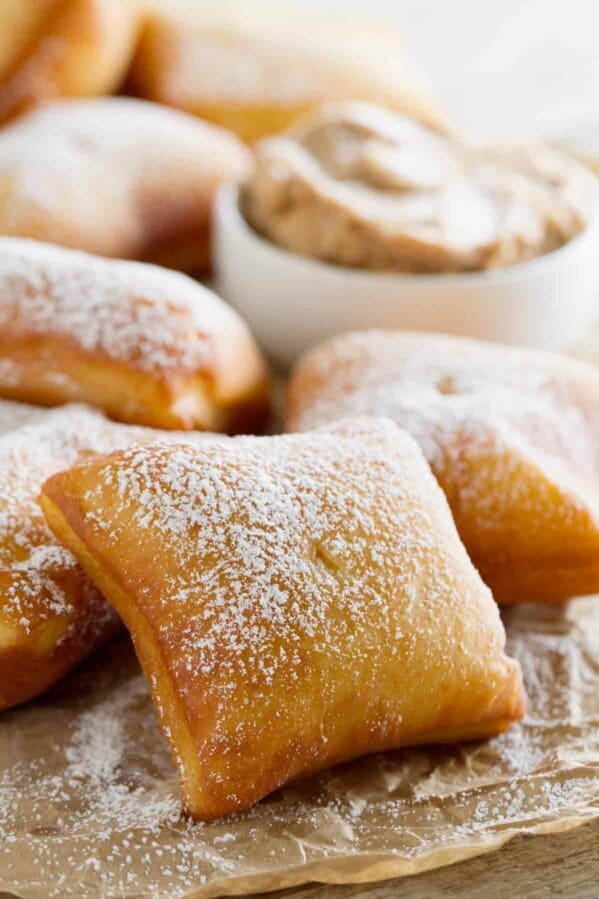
157, 320
281, 557
40, 578
462, 399
14, 415
89, 808
277, 529
37, 572
117, 176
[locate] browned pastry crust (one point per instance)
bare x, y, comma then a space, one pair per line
147, 345
117, 177
254, 70
511, 434
63, 48
51, 617
294, 601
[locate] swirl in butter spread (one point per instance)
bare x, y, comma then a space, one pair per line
360, 186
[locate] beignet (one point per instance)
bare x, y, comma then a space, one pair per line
253, 70
147, 345
117, 177
512, 436
51, 617
294, 601
53, 48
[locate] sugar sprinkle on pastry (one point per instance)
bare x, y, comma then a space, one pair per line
510, 433
147, 345
46, 290
50, 614
260, 580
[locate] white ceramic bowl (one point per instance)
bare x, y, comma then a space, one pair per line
292, 302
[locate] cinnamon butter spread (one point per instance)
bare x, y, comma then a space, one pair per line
360, 186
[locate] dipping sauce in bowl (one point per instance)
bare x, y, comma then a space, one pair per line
360, 186
358, 217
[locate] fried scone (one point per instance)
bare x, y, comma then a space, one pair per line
54, 48
254, 70
51, 617
511, 435
294, 601
147, 345
117, 177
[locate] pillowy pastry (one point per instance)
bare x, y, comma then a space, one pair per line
294, 601
254, 70
51, 617
356, 185
147, 345
117, 177
512, 436
53, 48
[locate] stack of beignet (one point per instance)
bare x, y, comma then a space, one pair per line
511, 435
147, 345
294, 601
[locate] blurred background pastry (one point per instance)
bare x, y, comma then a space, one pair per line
63, 48
51, 616
254, 67
117, 177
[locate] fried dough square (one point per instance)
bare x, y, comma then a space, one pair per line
295, 601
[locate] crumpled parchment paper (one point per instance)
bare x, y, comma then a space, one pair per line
89, 804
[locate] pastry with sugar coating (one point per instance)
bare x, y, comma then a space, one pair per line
253, 69
295, 601
51, 616
511, 434
147, 345
54, 48
117, 177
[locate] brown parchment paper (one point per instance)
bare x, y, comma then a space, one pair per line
89, 802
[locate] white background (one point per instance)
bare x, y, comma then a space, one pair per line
504, 66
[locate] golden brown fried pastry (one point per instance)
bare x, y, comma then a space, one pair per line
512, 436
117, 177
255, 70
72, 48
294, 601
51, 617
147, 345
